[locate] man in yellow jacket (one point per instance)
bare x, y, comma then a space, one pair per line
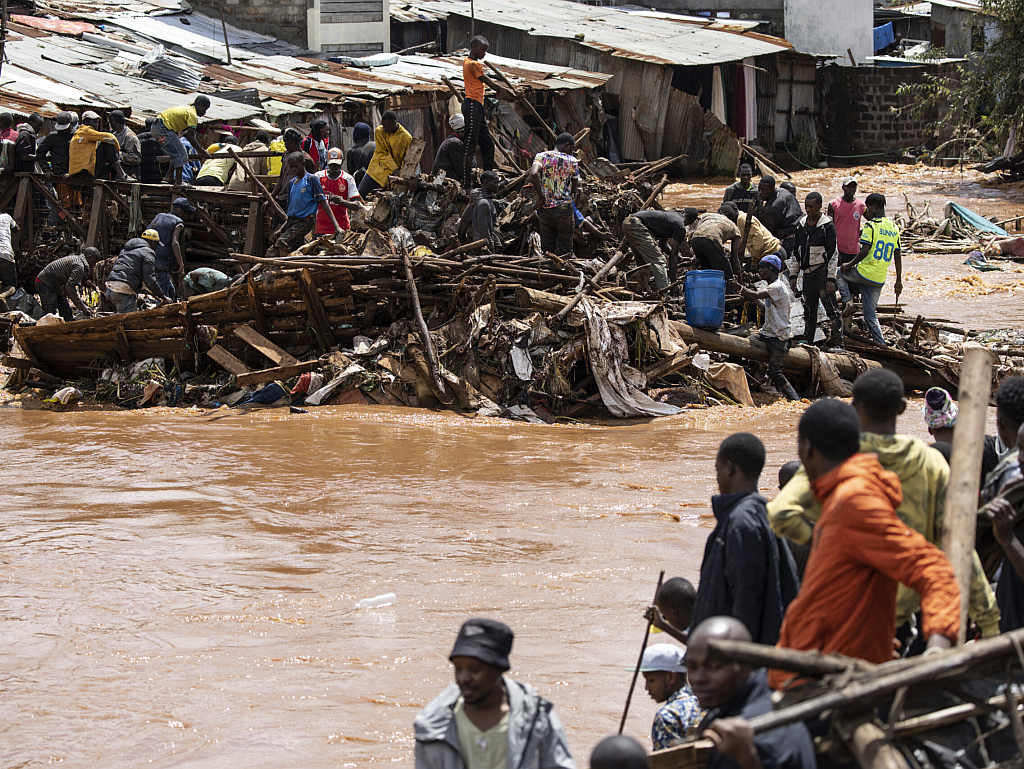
392, 143
924, 476
93, 151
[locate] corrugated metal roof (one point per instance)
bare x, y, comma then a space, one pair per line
102, 10
964, 5
679, 41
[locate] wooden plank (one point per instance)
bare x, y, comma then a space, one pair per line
254, 230
23, 214
264, 346
10, 361
257, 306
317, 313
68, 216
412, 158
215, 228
99, 193
226, 360
280, 372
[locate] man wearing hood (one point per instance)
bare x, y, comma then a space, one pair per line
861, 551
25, 144
135, 267
923, 477
361, 151
485, 720
816, 257
450, 156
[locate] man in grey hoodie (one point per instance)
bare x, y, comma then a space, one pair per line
485, 720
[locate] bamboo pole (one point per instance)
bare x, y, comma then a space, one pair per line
640, 658
965, 469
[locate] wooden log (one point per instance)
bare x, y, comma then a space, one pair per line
254, 230
424, 332
215, 228
805, 663
317, 313
274, 205
23, 214
264, 346
412, 158
12, 361
279, 372
960, 519
869, 744
99, 193
226, 360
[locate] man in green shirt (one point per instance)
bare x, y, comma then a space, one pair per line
485, 720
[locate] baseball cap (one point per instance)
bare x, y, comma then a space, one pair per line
457, 121
90, 115
64, 121
663, 658
487, 640
151, 235
335, 157
183, 203
848, 181
773, 261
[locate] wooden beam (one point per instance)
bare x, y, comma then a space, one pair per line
23, 213
75, 224
226, 360
412, 158
257, 306
264, 346
280, 372
11, 361
215, 228
317, 313
254, 229
96, 214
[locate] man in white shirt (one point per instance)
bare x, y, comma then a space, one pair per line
776, 332
8, 265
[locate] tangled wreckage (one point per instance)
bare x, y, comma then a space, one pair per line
398, 312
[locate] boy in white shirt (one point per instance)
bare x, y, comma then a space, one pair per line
776, 332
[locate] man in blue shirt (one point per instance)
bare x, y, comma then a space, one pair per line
169, 256
304, 197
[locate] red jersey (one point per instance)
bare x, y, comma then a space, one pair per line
847, 219
344, 187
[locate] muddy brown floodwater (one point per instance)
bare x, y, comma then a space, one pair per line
176, 590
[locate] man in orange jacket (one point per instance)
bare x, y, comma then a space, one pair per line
860, 551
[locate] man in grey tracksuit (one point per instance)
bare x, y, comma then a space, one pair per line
485, 720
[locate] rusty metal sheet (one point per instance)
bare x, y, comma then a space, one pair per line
54, 25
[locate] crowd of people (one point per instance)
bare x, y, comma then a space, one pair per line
845, 559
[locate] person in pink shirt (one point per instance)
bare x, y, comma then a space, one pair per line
846, 213
7, 130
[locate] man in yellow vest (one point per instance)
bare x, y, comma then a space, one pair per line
879, 245
392, 143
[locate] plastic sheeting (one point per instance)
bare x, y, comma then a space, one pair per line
607, 350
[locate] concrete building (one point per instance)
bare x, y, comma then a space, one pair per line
338, 27
959, 27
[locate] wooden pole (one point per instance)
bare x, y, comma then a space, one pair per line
870, 746
3, 32
965, 469
224, 29
428, 343
639, 659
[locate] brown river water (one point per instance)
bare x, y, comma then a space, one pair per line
176, 588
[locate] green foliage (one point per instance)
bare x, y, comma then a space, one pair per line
983, 96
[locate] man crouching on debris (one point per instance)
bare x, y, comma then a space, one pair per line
135, 267
862, 550
733, 694
555, 176
305, 196
485, 720
776, 332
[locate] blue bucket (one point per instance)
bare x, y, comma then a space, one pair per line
705, 298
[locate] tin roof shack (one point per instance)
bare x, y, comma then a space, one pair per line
680, 85
961, 26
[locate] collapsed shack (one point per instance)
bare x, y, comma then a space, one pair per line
961, 707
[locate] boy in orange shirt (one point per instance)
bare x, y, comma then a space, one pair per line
477, 132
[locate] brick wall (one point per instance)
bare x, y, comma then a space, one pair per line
284, 19
859, 104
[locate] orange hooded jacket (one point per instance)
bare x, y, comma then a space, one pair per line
860, 551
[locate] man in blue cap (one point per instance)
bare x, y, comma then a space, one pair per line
485, 720
776, 331
170, 226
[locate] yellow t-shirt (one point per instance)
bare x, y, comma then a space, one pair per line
482, 750
274, 164
883, 237
219, 166
177, 119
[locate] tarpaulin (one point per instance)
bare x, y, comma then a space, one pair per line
977, 221
884, 36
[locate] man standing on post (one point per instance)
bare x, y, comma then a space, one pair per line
747, 572
879, 246
644, 229
862, 550
847, 213
742, 193
485, 720
555, 176
175, 122
477, 132
169, 256
342, 194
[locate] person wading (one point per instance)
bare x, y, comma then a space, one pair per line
747, 572
847, 603
485, 720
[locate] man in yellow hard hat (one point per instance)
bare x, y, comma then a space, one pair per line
135, 266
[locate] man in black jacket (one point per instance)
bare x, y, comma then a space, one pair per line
817, 258
747, 572
135, 267
25, 145
779, 212
733, 694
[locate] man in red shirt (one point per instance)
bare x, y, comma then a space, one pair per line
847, 214
477, 132
341, 190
